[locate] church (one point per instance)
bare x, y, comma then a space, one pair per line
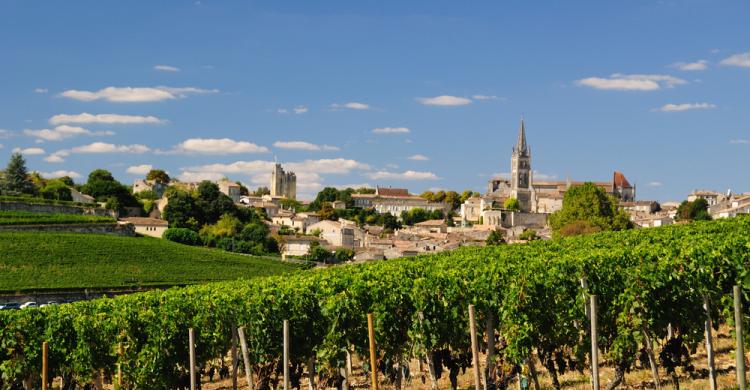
534, 197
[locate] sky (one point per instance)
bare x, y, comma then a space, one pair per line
424, 95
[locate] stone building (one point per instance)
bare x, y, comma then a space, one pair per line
283, 184
395, 201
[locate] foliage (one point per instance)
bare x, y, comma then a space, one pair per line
644, 279
180, 209
182, 236
16, 178
495, 238
417, 215
158, 175
529, 235
331, 194
317, 253
32, 261
696, 210
593, 206
34, 200
102, 186
227, 226
327, 213
343, 254
146, 195
27, 218
260, 191
511, 204
57, 190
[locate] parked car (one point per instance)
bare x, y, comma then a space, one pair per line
50, 303
30, 304
10, 306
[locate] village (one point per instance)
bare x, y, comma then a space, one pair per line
516, 207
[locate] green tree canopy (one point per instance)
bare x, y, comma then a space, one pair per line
511, 204
16, 178
260, 191
696, 210
56, 189
590, 206
103, 186
158, 175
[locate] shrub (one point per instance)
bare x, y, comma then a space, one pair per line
182, 236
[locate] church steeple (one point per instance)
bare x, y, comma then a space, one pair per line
521, 146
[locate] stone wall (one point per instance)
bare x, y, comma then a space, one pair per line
119, 229
535, 220
55, 208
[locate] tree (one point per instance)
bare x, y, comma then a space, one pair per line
589, 205
511, 204
67, 180
466, 195
260, 191
16, 176
390, 222
255, 232
103, 186
181, 210
327, 212
211, 203
495, 238
696, 210
158, 176
453, 199
56, 189
529, 235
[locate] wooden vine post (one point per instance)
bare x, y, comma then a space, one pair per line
709, 345
474, 348
740, 350
373, 357
191, 348
245, 358
120, 353
489, 376
45, 368
594, 345
235, 360
286, 354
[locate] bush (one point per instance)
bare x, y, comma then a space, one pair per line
182, 236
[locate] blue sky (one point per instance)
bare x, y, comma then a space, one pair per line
420, 94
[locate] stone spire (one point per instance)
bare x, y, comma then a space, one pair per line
521, 146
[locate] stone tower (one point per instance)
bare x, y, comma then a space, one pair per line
283, 184
520, 166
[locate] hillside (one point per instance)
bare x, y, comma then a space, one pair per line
26, 218
33, 261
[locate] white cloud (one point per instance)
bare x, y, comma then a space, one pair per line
4, 134
282, 111
58, 156
685, 107
739, 141
30, 151
218, 146
418, 157
166, 68
391, 130
632, 82
134, 94
655, 184
742, 60
103, 147
302, 145
691, 66
61, 132
407, 175
105, 119
485, 97
61, 173
300, 110
191, 176
351, 106
41, 90
444, 100
139, 169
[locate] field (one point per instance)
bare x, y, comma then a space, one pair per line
529, 301
27, 218
38, 261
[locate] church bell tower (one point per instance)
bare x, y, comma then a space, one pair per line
520, 165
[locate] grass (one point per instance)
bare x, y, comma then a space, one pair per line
27, 218
36, 200
49, 261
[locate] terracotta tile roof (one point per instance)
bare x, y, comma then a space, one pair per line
621, 181
382, 191
145, 221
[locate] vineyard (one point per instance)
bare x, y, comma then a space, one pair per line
648, 283
50, 261
26, 218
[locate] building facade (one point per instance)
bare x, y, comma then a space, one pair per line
283, 184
